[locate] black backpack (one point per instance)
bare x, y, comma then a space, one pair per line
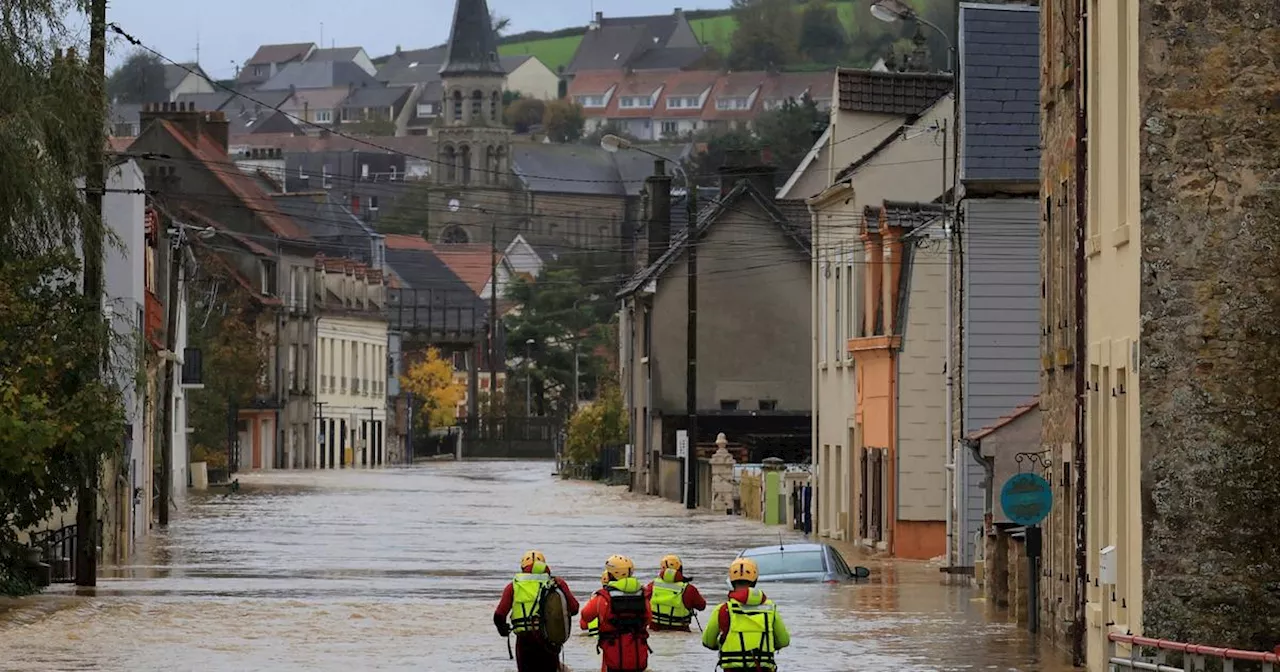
626, 611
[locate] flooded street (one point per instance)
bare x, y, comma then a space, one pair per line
400, 570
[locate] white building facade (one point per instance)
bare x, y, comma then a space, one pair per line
351, 365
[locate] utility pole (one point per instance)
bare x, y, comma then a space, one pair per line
170, 343
96, 184
1081, 353
691, 374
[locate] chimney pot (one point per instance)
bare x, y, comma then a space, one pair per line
599, 17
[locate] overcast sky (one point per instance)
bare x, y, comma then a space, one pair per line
229, 31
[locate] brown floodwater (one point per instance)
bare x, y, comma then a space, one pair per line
399, 569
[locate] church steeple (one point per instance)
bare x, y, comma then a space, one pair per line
473, 47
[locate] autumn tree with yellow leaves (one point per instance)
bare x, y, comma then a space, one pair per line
432, 383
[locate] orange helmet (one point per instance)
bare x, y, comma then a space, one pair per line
529, 563
744, 569
670, 562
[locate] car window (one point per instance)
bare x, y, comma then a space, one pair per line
794, 562
841, 565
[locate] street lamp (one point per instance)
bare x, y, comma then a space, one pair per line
528, 378
612, 143
890, 11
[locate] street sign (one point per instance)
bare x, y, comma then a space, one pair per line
682, 443
1026, 499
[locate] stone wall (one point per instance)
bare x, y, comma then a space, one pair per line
1058, 222
1210, 113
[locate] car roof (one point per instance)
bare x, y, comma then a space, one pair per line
784, 548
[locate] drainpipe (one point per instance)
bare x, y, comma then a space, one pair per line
1082, 495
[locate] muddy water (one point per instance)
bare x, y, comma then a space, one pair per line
400, 569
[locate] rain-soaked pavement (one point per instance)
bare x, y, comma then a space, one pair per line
400, 570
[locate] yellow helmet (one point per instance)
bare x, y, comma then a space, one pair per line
670, 562
618, 567
744, 569
532, 558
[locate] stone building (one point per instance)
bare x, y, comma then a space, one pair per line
1060, 74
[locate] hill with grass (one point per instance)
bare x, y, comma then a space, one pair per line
713, 27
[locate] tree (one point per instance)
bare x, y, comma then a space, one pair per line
140, 79
223, 324
607, 128
766, 37
564, 121
790, 131
500, 24
431, 380
601, 423
822, 36
60, 421
373, 127
717, 144
565, 310
525, 112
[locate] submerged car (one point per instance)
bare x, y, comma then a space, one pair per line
803, 563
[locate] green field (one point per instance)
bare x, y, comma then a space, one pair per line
716, 31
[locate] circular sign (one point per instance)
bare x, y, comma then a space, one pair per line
454, 204
1026, 499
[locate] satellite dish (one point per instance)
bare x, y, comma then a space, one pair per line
454, 204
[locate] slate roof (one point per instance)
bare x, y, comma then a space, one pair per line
890, 92
335, 54
377, 96
510, 63
317, 99
627, 41
318, 75
174, 73
567, 169
438, 291
279, 53
473, 46
668, 58
1000, 103
426, 65
320, 214
707, 217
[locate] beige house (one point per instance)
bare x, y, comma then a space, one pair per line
1114, 326
884, 140
530, 77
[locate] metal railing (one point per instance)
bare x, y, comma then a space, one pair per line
1195, 657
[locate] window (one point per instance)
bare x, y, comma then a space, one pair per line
590, 101
731, 103
324, 116
795, 562
372, 203
293, 367
324, 177
839, 310
304, 368
853, 317
728, 404
1048, 284
426, 109
768, 404
675, 103
457, 106
824, 271
636, 101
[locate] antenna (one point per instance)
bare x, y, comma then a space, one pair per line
781, 546
197, 46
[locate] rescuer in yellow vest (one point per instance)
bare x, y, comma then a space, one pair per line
747, 629
592, 627
672, 598
521, 600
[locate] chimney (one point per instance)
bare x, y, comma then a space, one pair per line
216, 127
182, 115
658, 187
599, 19
741, 164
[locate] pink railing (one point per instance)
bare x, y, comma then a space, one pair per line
1195, 656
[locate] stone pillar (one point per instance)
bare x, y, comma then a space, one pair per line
723, 487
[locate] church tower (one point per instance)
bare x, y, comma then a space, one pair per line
473, 145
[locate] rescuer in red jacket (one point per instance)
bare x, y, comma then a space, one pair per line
675, 600
624, 616
521, 601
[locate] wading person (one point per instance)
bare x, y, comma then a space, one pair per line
623, 614
592, 628
747, 629
525, 600
672, 598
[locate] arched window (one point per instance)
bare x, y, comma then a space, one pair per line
450, 157
490, 164
466, 164
499, 165
454, 235
457, 105
495, 113
477, 106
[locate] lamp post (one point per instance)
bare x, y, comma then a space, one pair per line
528, 378
613, 143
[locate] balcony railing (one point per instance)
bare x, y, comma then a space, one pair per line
1194, 656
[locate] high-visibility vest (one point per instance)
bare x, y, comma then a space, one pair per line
667, 604
526, 609
749, 641
593, 628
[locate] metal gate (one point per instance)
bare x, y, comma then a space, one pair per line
1194, 657
875, 513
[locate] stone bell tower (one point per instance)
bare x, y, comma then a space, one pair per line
473, 145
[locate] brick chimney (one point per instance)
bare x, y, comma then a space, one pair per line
217, 128
742, 164
193, 123
658, 187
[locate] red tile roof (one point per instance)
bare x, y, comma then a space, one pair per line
1007, 419
472, 263
240, 184
404, 241
594, 83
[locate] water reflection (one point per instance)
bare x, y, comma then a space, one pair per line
400, 569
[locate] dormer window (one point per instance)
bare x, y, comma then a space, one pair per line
589, 101
636, 102
734, 103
